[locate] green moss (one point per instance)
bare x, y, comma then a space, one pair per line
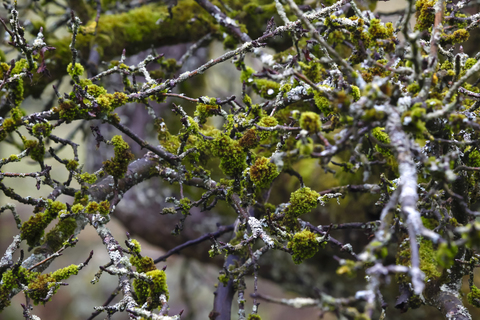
232, 156
118, 165
266, 122
413, 88
382, 137
76, 70
33, 229
378, 31
355, 93
67, 110
262, 172
20, 65
266, 88
445, 254
305, 146
223, 278
304, 245
310, 121
136, 247
42, 129
474, 296
88, 178
425, 14
12, 279
313, 71
144, 264
458, 36
249, 139
71, 165
254, 317
323, 103
151, 292
302, 201
36, 149
76, 208
62, 231
39, 287
474, 158
205, 111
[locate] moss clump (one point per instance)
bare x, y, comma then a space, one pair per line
378, 31
305, 146
119, 99
67, 110
254, 317
425, 14
61, 232
39, 288
150, 292
71, 165
232, 156
355, 93
76, 208
302, 201
304, 245
135, 246
76, 70
205, 111
33, 229
88, 178
382, 137
249, 139
266, 122
458, 36
474, 158
263, 172
12, 279
102, 208
37, 149
310, 121
474, 296
118, 165
266, 88
323, 103
42, 129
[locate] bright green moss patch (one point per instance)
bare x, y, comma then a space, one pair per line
425, 14
76, 70
117, 166
36, 149
88, 178
254, 317
382, 137
323, 103
263, 172
304, 245
266, 122
33, 229
232, 156
474, 296
302, 201
310, 121
39, 288
42, 129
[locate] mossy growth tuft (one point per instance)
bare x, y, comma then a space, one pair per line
262, 172
117, 166
302, 201
76, 70
310, 121
304, 245
474, 296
